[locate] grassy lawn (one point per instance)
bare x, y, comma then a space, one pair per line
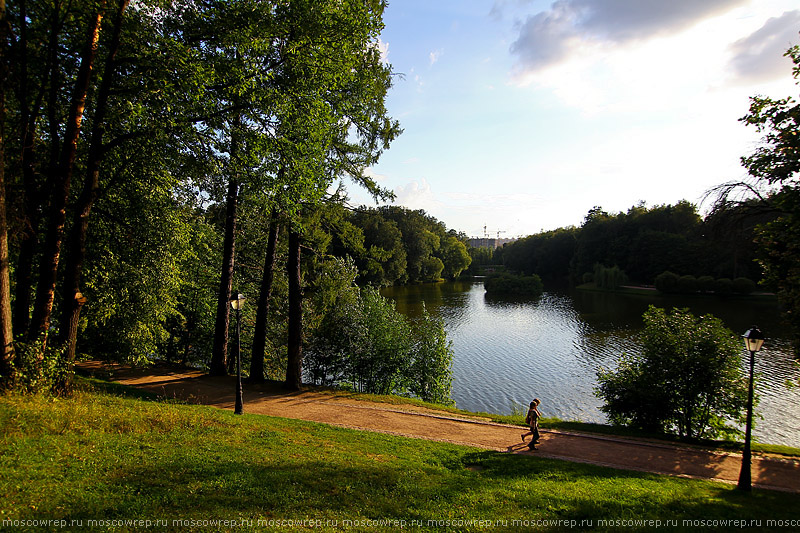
110, 457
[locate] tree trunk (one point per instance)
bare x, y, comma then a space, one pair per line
31, 208
219, 356
294, 364
260, 334
48, 271
73, 299
6, 333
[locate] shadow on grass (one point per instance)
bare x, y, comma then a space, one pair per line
448, 482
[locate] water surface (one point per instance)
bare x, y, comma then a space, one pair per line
507, 351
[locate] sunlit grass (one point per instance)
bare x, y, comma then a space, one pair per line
101, 456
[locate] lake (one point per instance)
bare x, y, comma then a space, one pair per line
508, 351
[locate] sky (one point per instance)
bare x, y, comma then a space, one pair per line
520, 116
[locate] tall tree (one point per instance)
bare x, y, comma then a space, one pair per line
262, 310
294, 365
60, 184
73, 298
6, 332
219, 356
331, 116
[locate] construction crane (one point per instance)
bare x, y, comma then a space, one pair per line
499, 232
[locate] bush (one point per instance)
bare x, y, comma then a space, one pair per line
743, 286
515, 285
687, 380
723, 286
705, 284
687, 284
363, 342
667, 282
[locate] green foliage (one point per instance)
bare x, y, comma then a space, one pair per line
509, 284
671, 283
361, 341
548, 254
431, 369
688, 284
723, 286
687, 380
705, 284
135, 272
743, 286
643, 242
454, 256
607, 278
36, 370
667, 282
776, 164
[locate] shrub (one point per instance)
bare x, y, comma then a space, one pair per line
687, 380
705, 284
667, 282
687, 284
363, 342
723, 286
743, 286
514, 285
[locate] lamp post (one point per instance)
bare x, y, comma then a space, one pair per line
753, 341
237, 301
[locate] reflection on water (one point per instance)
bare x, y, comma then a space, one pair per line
509, 351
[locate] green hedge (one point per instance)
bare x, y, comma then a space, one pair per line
671, 283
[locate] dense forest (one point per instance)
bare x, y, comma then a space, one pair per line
643, 243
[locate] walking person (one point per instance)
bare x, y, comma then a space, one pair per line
532, 419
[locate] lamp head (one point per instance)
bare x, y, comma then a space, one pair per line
753, 339
237, 301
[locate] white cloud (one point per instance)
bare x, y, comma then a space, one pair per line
370, 173
759, 56
434, 56
569, 26
417, 195
383, 48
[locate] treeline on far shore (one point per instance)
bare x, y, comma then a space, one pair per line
640, 245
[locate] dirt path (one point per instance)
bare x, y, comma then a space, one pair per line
410, 421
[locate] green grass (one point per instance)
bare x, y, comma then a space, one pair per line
103, 456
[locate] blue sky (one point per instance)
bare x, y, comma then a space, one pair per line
521, 115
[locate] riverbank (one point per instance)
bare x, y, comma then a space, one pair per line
651, 291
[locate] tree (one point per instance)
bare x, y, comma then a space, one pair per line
774, 188
60, 182
73, 298
431, 369
454, 256
6, 332
686, 380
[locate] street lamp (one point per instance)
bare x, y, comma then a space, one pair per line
753, 341
237, 302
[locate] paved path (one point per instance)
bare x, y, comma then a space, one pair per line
410, 421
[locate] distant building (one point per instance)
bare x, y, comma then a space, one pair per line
486, 242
